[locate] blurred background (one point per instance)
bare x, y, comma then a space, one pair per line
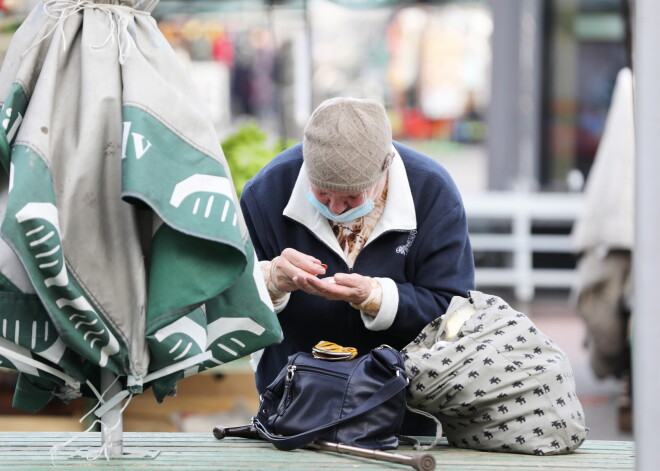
512, 97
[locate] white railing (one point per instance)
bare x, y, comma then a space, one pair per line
519, 212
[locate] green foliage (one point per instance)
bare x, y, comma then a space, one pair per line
247, 151
8, 26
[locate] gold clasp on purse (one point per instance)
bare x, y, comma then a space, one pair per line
331, 351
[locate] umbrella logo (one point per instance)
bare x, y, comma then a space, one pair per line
183, 327
86, 320
138, 142
203, 338
205, 184
224, 326
52, 254
44, 239
39, 339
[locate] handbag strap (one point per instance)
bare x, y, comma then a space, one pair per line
387, 391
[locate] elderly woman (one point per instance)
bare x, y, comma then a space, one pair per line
362, 240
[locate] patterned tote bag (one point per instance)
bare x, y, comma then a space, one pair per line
493, 381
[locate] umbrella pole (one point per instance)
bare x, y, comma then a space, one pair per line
111, 421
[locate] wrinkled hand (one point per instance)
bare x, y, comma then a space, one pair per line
293, 264
352, 288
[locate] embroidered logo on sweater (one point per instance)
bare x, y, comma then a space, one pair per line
403, 249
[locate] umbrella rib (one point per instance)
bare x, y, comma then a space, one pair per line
11, 354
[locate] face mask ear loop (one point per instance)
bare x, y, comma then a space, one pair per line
375, 194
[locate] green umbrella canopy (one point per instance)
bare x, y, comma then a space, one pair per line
123, 246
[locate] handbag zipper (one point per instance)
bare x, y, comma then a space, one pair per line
288, 381
291, 371
286, 395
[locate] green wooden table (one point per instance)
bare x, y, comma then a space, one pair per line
22, 451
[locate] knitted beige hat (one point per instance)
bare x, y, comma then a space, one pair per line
347, 144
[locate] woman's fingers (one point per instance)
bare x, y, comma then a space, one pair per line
304, 262
354, 289
294, 270
292, 263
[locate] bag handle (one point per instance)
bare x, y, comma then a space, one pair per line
387, 391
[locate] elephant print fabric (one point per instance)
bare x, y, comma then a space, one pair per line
493, 381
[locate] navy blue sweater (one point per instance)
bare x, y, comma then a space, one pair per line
435, 265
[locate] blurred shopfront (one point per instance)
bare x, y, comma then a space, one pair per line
511, 96
449, 83
430, 62
584, 49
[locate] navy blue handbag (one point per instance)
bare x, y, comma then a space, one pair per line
359, 402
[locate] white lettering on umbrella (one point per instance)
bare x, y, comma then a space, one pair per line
138, 141
49, 213
140, 148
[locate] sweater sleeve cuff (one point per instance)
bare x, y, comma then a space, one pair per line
388, 307
278, 297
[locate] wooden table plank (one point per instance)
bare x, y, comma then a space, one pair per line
180, 451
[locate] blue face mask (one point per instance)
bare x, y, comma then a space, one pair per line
347, 216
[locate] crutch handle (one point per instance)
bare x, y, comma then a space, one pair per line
241, 431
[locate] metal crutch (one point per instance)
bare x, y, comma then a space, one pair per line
420, 462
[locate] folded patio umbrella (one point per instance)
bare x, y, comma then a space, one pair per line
123, 246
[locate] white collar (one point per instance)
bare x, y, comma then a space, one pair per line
398, 215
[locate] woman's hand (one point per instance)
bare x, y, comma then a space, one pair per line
352, 288
293, 264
